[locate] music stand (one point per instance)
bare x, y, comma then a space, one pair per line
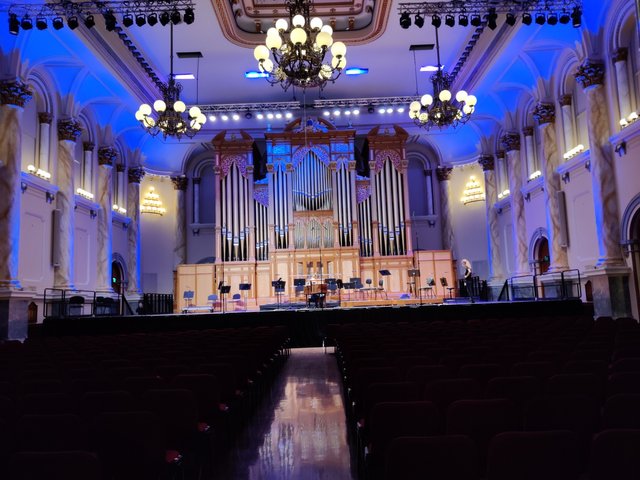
384, 273
244, 288
413, 273
278, 286
445, 284
224, 291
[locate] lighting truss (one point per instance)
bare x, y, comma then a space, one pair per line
363, 102
484, 6
250, 107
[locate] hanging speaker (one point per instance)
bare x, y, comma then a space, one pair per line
562, 219
55, 237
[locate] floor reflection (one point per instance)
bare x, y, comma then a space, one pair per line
301, 432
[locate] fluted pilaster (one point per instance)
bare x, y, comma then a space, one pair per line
106, 158
180, 250
133, 232
496, 272
448, 238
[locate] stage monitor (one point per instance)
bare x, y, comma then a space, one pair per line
384, 273
412, 273
244, 286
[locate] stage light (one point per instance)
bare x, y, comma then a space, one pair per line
141, 20
475, 20
576, 17
540, 19
152, 19
72, 22
176, 18
164, 18
89, 22
449, 20
405, 20
463, 20
436, 21
57, 23
565, 18
41, 23
511, 19
110, 21
526, 18
248, 115
26, 23
14, 24
127, 20
419, 20
492, 18
552, 19
189, 16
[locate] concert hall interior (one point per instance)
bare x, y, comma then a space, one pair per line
194, 171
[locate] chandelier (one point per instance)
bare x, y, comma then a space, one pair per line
152, 203
442, 109
167, 116
472, 191
299, 52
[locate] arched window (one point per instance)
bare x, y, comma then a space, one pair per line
580, 112
529, 151
118, 185
420, 182
625, 65
36, 132
204, 193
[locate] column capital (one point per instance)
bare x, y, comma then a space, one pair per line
487, 162
107, 156
443, 173
500, 154
88, 146
15, 92
510, 141
544, 113
120, 167
527, 131
620, 55
180, 183
590, 74
135, 174
45, 117
566, 100
69, 129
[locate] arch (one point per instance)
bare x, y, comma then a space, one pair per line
626, 225
321, 152
539, 239
118, 261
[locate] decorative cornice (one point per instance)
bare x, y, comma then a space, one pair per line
620, 55
135, 174
487, 162
510, 141
590, 74
69, 129
15, 92
527, 131
120, 168
107, 156
443, 173
45, 117
545, 113
88, 146
566, 100
180, 183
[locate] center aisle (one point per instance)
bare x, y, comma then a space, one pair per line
300, 432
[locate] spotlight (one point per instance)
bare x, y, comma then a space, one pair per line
370, 109
552, 19
57, 23
436, 21
405, 20
565, 18
248, 115
475, 20
419, 21
189, 16
540, 19
463, 20
89, 22
141, 20
576, 17
152, 19
72, 22
164, 18
492, 17
110, 21
14, 24
41, 23
526, 18
127, 20
449, 20
26, 23
175, 17
511, 19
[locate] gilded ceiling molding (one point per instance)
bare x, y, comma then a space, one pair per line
231, 32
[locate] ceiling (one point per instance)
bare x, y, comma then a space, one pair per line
504, 65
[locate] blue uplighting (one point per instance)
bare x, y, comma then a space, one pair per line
255, 74
356, 71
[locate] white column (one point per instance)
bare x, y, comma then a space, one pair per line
87, 179
45, 119
180, 249
496, 272
568, 123
448, 239
622, 81
529, 151
135, 176
106, 158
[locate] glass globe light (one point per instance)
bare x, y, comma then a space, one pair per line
202, 119
461, 96
471, 100
323, 39
426, 100
194, 112
338, 49
339, 62
325, 71
327, 28
282, 25
298, 21
423, 117
445, 95
159, 106
315, 23
298, 36
145, 109
139, 116
413, 114
266, 66
414, 106
179, 106
274, 42
150, 122
273, 32
260, 52
467, 109
458, 115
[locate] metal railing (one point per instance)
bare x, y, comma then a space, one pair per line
155, 303
549, 285
60, 303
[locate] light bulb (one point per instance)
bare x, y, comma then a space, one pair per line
274, 42
261, 52
298, 36
426, 100
298, 21
159, 106
461, 96
467, 109
273, 32
338, 49
414, 106
194, 112
327, 28
315, 23
323, 39
267, 65
202, 119
325, 72
423, 117
471, 100
445, 95
139, 116
413, 114
339, 62
179, 106
145, 109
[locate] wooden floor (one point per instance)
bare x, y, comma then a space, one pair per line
300, 432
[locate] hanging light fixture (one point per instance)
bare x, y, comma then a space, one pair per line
152, 203
472, 192
298, 48
169, 118
442, 109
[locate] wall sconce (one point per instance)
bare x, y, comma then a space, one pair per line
587, 165
566, 177
621, 149
50, 197
195, 231
23, 187
527, 196
93, 214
